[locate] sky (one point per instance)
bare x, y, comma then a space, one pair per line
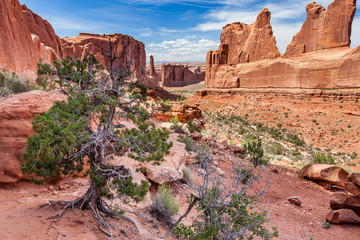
175, 30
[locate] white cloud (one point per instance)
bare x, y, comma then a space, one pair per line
146, 32
181, 50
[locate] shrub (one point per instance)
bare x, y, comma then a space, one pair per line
324, 159
190, 144
294, 139
176, 126
164, 205
191, 126
256, 152
187, 176
11, 83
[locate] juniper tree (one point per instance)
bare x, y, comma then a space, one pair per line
87, 130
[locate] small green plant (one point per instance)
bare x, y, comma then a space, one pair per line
164, 206
325, 225
192, 127
324, 159
190, 144
176, 125
256, 152
187, 176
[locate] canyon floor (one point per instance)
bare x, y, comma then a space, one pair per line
321, 118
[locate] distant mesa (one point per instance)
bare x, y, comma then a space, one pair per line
318, 56
180, 75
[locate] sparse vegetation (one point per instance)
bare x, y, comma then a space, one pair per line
176, 125
324, 159
164, 205
187, 176
11, 83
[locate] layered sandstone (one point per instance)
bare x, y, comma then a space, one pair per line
130, 51
324, 29
16, 114
318, 57
20, 48
180, 75
242, 43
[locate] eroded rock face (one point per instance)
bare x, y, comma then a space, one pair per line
20, 49
99, 46
179, 76
42, 29
342, 200
16, 114
324, 29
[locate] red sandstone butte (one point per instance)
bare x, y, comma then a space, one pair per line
99, 46
241, 43
20, 48
180, 75
324, 29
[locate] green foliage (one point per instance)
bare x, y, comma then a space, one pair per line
324, 159
85, 129
164, 205
187, 176
176, 125
256, 152
10, 83
192, 127
294, 139
234, 219
325, 225
190, 144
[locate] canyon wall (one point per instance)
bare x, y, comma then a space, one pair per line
20, 45
180, 75
318, 57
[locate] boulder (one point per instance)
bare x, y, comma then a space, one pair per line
16, 114
183, 111
343, 216
324, 29
326, 173
355, 178
170, 169
179, 76
342, 200
352, 188
294, 200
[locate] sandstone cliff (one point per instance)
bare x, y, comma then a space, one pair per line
324, 29
99, 46
180, 75
42, 29
243, 43
318, 57
20, 48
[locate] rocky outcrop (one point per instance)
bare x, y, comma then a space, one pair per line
324, 29
242, 43
16, 114
127, 48
179, 76
20, 48
342, 200
343, 216
318, 57
42, 29
153, 73
326, 173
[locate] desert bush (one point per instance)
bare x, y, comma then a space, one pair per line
11, 83
294, 139
256, 152
187, 176
190, 144
176, 125
191, 126
164, 205
323, 159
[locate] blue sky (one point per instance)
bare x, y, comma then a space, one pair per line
174, 30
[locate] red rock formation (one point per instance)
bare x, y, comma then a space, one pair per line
331, 65
19, 49
243, 43
16, 114
99, 46
324, 29
179, 76
42, 29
